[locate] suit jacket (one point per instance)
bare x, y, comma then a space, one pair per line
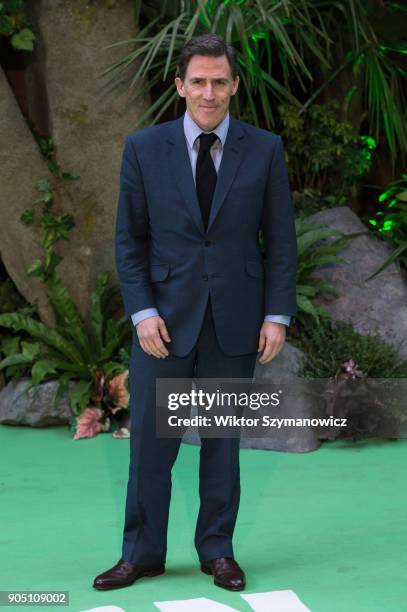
166, 259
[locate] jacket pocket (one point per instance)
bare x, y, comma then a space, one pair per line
255, 268
159, 271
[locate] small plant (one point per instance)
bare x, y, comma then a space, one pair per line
390, 223
332, 346
15, 25
67, 351
312, 252
310, 201
53, 229
327, 157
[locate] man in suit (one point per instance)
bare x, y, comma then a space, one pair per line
194, 193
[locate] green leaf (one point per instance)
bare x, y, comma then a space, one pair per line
23, 40
309, 238
68, 317
62, 387
9, 346
28, 216
36, 268
112, 367
17, 359
41, 369
31, 350
304, 304
43, 185
96, 315
80, 395
306, 290
400, 249
36, 329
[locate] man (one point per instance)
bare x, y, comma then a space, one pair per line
194, 194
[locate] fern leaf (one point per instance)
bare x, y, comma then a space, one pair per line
68, 317
36, 329
96, 315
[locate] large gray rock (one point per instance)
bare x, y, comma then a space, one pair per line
88, 130
298, 402
375, 306
281, 373
35, 408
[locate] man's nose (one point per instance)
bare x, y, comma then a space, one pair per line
208, 92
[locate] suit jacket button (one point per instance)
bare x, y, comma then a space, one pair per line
205, 277
208, 243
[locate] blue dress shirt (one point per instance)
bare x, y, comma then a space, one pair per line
192, 131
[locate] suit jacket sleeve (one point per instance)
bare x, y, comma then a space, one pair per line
131, 236
279, 233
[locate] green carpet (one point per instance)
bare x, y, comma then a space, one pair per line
329, 525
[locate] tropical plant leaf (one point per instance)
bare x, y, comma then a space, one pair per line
111, 367
68, 317
396, 253
306, 305
36, 329
62, 387
16, 359
309, 238
80, 395
41, 369
10, 345
307, 290
96, 315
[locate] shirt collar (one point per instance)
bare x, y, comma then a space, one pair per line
192, 130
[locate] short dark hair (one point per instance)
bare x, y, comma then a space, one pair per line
207, 44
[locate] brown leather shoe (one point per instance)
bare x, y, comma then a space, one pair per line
226, 572
124, 574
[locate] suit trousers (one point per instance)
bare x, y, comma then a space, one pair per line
152, 458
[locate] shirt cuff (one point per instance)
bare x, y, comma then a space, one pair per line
286, 319
143, 314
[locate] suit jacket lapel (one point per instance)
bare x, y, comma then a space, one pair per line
180, 165
233, 153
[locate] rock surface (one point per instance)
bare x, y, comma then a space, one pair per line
377, 306
35, 408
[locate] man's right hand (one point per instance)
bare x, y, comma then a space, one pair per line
151, 333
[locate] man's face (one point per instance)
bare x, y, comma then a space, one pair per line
207, 88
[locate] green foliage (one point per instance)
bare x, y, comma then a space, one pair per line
390, 222
15, 25
283, 47
326, 156
46, 146
54, 228
328, 345
67, 351
314, 251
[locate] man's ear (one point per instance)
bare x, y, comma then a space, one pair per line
180, 86
235, 85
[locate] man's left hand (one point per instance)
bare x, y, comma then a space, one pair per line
271, 340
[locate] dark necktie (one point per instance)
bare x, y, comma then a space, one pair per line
205, 175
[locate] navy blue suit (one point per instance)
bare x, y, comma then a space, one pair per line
166, 259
